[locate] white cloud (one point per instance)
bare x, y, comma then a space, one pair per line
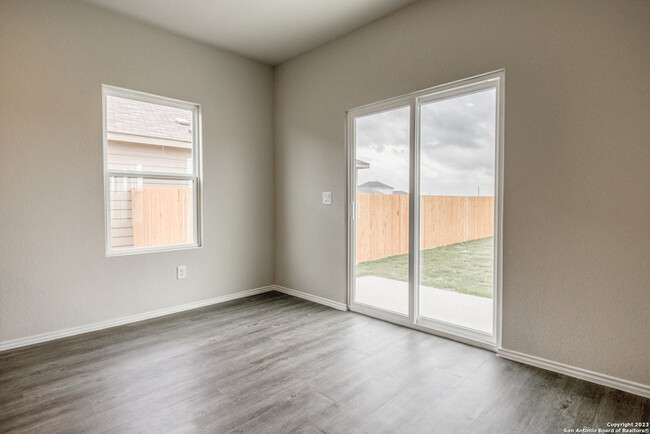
457, 154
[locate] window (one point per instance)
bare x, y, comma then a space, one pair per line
152, 177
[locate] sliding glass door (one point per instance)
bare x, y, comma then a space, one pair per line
424, 198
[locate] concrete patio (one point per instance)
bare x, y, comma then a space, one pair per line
461, 309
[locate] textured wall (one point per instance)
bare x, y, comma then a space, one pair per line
54, 274
576, 272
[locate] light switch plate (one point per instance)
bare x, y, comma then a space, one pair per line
327, 198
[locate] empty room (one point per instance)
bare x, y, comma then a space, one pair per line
325, 216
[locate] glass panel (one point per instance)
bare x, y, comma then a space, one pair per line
457, 169
382, 223
149, 212
146, 137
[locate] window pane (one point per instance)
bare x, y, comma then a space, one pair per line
149, 212
382, 203
457, 169
148, 137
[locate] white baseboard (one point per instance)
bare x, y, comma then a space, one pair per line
44, 337
572, 371
310, 297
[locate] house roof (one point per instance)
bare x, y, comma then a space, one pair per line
128, 116
375, 184
360, 164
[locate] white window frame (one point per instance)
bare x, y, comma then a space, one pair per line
415, 100
195, 177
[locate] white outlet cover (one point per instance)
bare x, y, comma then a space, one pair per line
327, 198
181, 272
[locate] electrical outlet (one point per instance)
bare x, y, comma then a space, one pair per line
327, 198
181, 272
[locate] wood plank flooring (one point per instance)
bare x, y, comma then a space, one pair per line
277, 364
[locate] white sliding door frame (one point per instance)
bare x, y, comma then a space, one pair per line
392, 104
414, 101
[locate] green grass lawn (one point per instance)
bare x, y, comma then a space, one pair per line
463, 267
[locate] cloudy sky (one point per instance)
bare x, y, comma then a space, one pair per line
457, 156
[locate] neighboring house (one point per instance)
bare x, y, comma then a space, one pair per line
375, 187
360, 164
163, 134
148, 137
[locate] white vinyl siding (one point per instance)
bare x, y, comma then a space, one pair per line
149, 158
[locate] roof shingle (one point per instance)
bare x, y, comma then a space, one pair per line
128, 116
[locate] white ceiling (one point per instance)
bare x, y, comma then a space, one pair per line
270, 31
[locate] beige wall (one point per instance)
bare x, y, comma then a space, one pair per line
576, 273
54, 57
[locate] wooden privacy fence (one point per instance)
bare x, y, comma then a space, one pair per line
382, 222
161, 216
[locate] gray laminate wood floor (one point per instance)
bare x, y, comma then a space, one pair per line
275, 364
